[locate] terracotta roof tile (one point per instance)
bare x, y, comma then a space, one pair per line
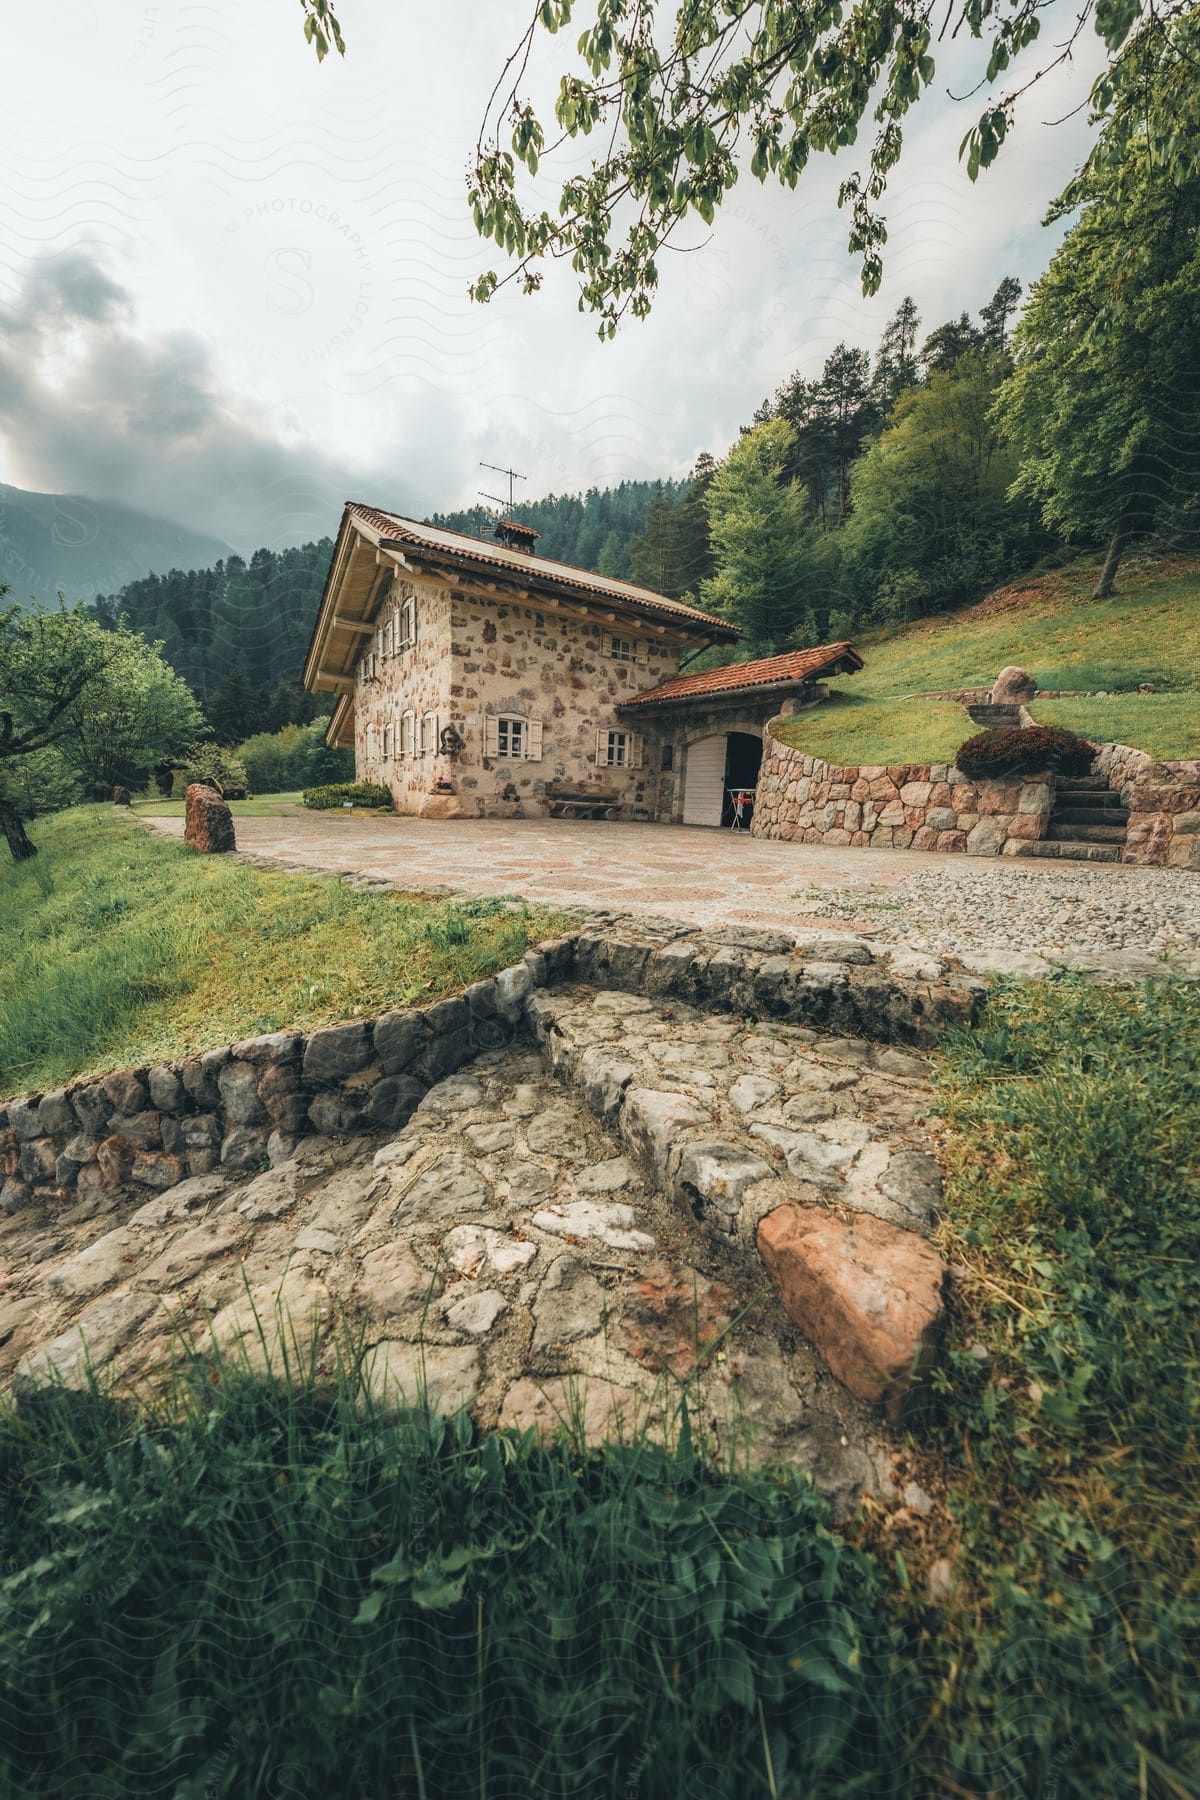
794, 667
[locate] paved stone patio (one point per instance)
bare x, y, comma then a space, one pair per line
995, 913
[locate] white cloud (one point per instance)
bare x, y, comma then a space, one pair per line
287, 250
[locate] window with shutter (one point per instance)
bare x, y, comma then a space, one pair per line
511, 736
619, 749
407, 726
429, 734
387, 743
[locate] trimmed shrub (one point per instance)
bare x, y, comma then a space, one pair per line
992, 755
354, 793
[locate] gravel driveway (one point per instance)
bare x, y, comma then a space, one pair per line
994, 913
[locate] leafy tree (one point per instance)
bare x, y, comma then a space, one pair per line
1103, 406
236, 710
652, 552
896, 365
759, 533
677, 90
944, 346
142, 715
693, 543
999, 310
50, 663
847, 412
41, 782
932, 523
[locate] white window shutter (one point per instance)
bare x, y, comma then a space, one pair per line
602, 747
412, 620
491, 735
635, 750
533, 740
431, 733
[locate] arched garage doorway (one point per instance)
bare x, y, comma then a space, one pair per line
727, 759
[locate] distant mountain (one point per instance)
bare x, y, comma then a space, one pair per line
87, 547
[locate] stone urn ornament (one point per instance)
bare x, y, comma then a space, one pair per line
1013, 687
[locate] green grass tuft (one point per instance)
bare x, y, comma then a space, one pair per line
267, 1590
1149, 632
119, 947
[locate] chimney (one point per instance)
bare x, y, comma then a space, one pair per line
515, 536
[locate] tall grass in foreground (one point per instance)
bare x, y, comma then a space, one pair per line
121, 947
267, 1590
1070, 1663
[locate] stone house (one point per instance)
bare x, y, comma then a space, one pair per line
478, 679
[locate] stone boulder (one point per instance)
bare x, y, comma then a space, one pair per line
1013, 687
208, 823
867, 1294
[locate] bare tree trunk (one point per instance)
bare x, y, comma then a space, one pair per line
1108, 574
13, 827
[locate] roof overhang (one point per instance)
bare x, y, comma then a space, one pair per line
340, 735
710, 699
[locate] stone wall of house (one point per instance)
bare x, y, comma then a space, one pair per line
416, 679
471, 660
1164, 805
539, 664
248, 1104
919, 806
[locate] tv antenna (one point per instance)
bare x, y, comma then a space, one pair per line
512, 474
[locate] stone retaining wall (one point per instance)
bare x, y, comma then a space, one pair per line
245, 1105
1164, 805
918, 806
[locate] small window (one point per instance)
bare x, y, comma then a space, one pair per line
618, 749
510, 737
622, 649
407, 617
668, 756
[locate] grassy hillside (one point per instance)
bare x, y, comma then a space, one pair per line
118, 947
1148, 633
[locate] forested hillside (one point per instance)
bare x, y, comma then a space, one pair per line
597, 530
237, 632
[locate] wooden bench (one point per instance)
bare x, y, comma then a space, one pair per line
582, 803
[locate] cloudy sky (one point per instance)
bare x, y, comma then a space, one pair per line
233, 283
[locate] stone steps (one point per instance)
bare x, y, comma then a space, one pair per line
1062, 850
803, 1153
1073, 829
1087, 823
995, 718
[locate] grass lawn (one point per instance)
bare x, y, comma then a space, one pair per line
259, 806
1148, 632
120, 947
850, 730
248, 1590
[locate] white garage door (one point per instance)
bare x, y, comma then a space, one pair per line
704, 788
